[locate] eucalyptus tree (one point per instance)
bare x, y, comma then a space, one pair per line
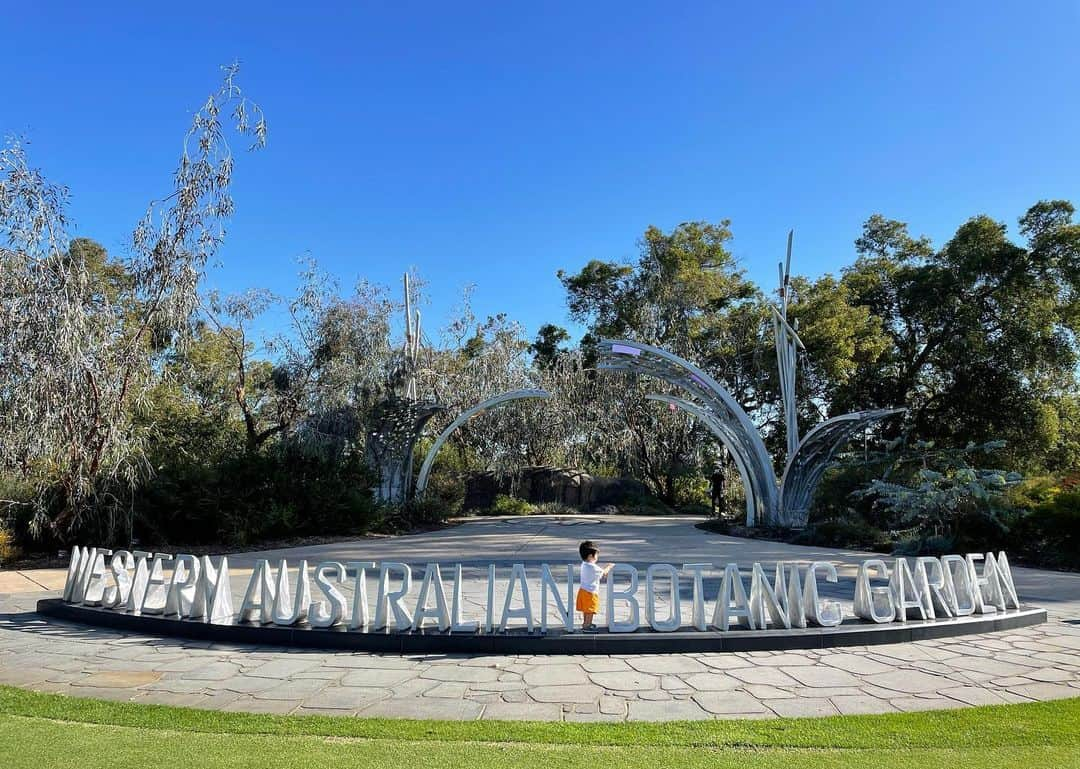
76, 361
251, 384
473, 361
337, 361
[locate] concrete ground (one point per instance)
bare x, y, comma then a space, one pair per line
1037, 663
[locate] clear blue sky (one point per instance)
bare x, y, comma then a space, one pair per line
496, 143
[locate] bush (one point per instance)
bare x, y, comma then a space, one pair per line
554, 508
644, 504
935, 545
1051, 532
246, 498
8, 549
448, 489
424, 513
1032, 492
843, 532
691, 489
982, 530
506, 505
836, 498
695, 508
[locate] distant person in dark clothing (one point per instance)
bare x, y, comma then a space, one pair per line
716, 491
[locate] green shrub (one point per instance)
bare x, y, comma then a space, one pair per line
8, 549
982, 530
554, 508
843, 532
506, 505
936, 545
1051, 532
835, 498
644, 504
249, 497
421, 513
691, 489
1032, 492
694, 508
449, 489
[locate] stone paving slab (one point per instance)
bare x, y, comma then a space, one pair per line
1035, 663
27, 581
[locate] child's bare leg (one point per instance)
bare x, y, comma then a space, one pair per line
586, 619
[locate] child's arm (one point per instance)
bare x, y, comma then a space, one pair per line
606, 569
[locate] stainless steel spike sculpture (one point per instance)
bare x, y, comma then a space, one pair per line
462, 418
399, 419
411, 350
787, 346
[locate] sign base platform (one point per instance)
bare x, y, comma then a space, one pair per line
519, 641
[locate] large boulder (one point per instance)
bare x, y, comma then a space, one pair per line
481, 487
616, 491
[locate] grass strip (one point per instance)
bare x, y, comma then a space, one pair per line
33, 743
1046, 724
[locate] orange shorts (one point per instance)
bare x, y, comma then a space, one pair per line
588, 603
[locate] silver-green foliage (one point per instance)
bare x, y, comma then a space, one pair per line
939, 486
78, 356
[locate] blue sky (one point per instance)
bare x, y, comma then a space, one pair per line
497, 143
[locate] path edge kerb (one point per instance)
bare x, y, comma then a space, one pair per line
642, 642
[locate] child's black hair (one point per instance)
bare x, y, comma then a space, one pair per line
587, 548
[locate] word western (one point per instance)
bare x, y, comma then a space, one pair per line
192, 588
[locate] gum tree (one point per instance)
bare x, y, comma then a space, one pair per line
80, 360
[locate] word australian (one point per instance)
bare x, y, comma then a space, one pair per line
192, 588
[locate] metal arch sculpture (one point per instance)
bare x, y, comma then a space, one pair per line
807, 465
644, 359
784, 505
462, 418
723, 433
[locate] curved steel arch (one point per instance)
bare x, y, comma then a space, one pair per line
809, 462
723, 434
462, 418
644, 359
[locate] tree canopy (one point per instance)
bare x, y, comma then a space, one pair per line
125, 385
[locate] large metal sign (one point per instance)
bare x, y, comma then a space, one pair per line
335, 594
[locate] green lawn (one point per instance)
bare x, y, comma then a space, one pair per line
42, 731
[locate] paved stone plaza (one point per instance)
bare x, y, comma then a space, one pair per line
1037, 663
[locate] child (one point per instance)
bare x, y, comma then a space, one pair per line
588, 595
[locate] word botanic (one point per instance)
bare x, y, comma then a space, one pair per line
192, 588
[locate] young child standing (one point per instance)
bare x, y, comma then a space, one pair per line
588, 594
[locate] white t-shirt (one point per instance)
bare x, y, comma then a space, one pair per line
590, 576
